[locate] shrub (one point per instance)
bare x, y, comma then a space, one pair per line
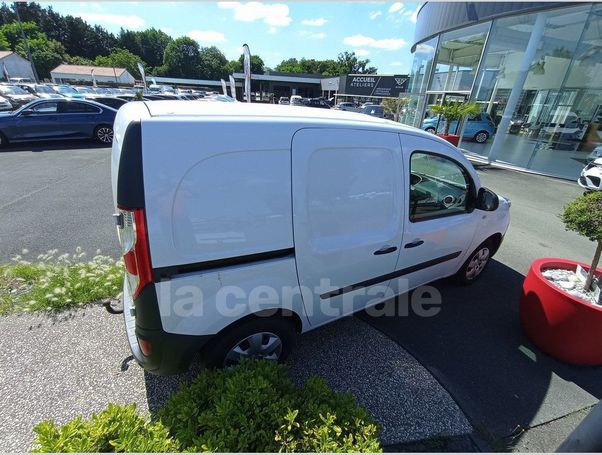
454, 110
253, 407
116, 429
584, 216
60, 282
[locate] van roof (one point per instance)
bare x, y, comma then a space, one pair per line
216, 109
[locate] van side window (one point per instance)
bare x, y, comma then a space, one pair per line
438, 187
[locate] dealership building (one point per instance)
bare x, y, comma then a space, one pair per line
534, 67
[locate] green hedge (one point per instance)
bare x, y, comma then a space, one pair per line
253, 407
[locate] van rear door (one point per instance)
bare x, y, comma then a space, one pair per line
348, 207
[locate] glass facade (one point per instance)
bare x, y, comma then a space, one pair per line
537, 78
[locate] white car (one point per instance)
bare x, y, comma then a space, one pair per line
266, 221
591, 176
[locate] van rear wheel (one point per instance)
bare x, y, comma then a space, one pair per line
269, 338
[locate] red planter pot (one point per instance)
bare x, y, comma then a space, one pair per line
561, 325
451, 138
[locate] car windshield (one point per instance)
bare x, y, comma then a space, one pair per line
12, 90
84, 90
43, 89
65, 89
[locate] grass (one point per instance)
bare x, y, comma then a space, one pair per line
58, 282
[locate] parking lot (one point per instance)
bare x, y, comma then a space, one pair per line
467, 373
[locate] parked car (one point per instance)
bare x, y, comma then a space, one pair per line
16, 96
284, 100
478, 128
208, 233
111, 101
40, 90
47, 119
85, 90
347, 106
5, 104
375, 110
297, 100
67, 91
591, 176
318, 102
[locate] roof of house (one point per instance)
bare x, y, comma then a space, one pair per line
87, 69
4, 54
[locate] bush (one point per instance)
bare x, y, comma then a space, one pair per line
253, 407
116, 429
60, 282
584, 216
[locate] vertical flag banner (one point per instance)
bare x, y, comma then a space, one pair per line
247, 69
232, 87
93, 78
224, 88
142, 74
5, 71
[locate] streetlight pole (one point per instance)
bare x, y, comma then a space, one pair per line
33, 66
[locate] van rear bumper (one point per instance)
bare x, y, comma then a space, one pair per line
170, 353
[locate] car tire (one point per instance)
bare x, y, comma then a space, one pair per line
3, 140
103, 134
430, 129
271, 338
481, 137
476, 264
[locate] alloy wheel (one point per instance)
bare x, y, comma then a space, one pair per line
481, 137
477, 263
105, 134
261, 345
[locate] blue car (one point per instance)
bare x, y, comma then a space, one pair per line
50, 119
478, 128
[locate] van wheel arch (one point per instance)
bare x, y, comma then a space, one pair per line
478, 260
287, 323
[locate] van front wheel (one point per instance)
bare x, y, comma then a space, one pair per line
476, 263
266, 338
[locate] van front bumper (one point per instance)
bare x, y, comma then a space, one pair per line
170, 353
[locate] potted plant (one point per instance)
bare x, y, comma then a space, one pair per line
560, 307
451, 111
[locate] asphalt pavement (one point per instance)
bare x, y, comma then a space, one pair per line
56, 196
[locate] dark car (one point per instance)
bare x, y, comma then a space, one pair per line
16, 95
375, 110
49, 119
111, 101
318, 102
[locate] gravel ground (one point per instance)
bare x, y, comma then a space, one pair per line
76, 363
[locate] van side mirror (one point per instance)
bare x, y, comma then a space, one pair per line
487, 200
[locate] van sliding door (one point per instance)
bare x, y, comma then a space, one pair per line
347, 217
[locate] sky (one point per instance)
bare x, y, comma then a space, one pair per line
379, 31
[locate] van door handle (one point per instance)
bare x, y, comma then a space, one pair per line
385, 250
414, 244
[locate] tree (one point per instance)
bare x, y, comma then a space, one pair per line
46, 53
182, 58
393, 106
121, 58
77, 60
212, 63
4, 44
149, 44
454, 110
290, 65
584, 216
349, 64
236, 66
12, 32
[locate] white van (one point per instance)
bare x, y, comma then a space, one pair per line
245, 224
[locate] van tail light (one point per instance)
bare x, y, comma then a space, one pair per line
131, 228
